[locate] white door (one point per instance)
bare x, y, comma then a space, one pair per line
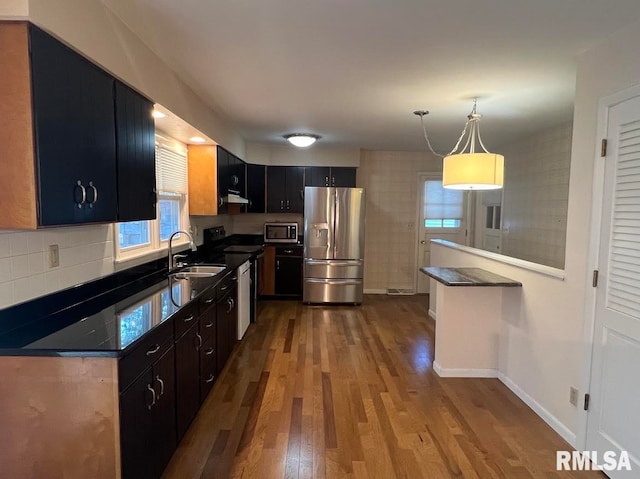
447, 222
613, 421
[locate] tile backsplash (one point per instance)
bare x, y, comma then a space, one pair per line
85, 253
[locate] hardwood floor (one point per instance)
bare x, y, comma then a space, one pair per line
315, 392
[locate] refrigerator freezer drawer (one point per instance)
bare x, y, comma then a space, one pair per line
332, 291
335, 268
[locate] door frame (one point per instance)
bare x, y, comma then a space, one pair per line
593, 259
418, 225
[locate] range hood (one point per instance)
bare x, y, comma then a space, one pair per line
232, 198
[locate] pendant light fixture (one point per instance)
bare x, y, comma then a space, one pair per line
468, 169
301, 140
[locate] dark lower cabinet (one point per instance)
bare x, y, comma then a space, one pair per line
148, 420
187, 379
288, 271
227, 325
208, 351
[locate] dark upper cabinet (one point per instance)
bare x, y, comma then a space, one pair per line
343, 177
317, 176
285, 189
75, 140
256, 175
223, 172
135, 150
334, 176
238, 170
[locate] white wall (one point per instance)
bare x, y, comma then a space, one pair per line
85, 253
543, 344
288, 155
14, 8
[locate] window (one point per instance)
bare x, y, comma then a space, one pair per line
443, 207
492, 221
136, 238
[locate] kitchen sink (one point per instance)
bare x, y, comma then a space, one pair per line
198, 271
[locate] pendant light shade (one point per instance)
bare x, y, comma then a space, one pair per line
464, 168
473, 171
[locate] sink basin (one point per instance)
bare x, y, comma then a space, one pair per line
198, 271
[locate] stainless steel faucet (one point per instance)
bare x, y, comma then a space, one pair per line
172, 259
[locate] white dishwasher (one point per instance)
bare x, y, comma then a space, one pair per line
244, 298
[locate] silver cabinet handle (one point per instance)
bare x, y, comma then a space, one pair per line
153, 397
333, 181
209, 351
230, 303
161, 386
326, 181
234, 278
287, 204
225, 287
209, 324
208, 300
281, 204
188, 319
154, 192
95, 194
288, 251
220, 202
278, 264
83, 192
155, 349
210, 380
199, 341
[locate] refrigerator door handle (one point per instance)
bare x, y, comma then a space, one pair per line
334, 262
335, 282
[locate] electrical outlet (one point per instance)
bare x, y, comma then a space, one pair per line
54, 256
573, 396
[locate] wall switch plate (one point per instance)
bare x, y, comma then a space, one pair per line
573, 396
54, 256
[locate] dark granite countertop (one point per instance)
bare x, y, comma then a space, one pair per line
468, 277
110, 323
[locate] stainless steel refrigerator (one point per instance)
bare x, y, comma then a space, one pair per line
333, 245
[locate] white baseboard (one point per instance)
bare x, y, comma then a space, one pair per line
375, 291
546, 416
464, 373
432, 314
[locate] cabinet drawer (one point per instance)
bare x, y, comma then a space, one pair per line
226, 285
185, 318
289, 251
153, 346
207, 299
208, 325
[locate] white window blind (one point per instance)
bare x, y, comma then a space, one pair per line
171, 170
441, 203
624, 274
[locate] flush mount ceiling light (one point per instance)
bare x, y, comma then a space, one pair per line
158, 114
301, 140
197, 139
467, 169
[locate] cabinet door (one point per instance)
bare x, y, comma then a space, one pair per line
268, 271
187, 379
135, 136
164, 414
343, 177
288, 276
276, 193
238, 175
222, 159
295, 189
256, 188
136, 423
317, 176
75, 135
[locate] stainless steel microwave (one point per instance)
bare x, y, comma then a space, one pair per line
281, 232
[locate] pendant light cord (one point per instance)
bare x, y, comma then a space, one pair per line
426, 137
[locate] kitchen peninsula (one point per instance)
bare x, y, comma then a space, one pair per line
469, 309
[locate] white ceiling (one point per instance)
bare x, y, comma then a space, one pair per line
353, 71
